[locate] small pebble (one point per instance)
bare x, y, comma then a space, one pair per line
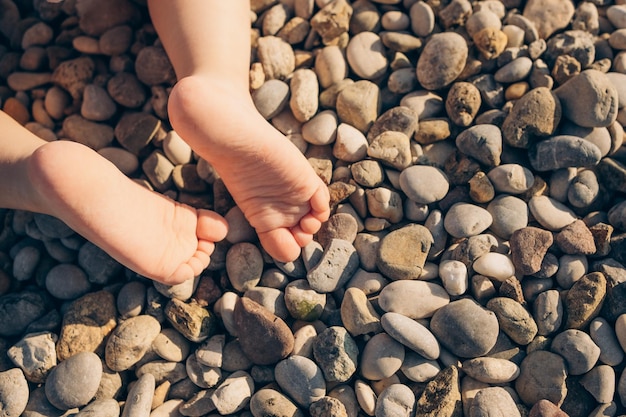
74, 382
301, 379
13, 392
381, 357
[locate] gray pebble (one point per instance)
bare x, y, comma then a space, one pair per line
19, 309
491, 370
600, 382
514, 319
424, 184
397, 400
493, 401
233, 393
542, 376
131, 299
382, 357
578, 350
35, 354
366, 55
271, 98
202, 375
584, 189
244, 265
465, 220
465, 328
14, 393
603, 335
509, 213
417, 368
564, 151
67, 282
336, 354
74, 382
514, 71
336, 267
98, 265
550, 213
104, 407
548, 312
25, 262
411, 334
301, 379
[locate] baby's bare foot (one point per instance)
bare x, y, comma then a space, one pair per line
270, 180
145, 231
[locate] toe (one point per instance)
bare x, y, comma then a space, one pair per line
280, 244
211, 226
309, 224
320, 201
302, 237
183, 273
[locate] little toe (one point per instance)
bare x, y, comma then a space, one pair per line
280, 244
320, 201
183, 273
211, 226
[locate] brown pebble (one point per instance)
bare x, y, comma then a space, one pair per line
491, 42
17, 110
463, 103
529, 245
433, 130
545, 408
584, 300
264, 337
480, 188
576, 239
512, 288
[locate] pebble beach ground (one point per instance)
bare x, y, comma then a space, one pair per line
474, 261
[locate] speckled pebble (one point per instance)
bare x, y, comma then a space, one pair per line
13, 392
335, 268
441, 60
336, 353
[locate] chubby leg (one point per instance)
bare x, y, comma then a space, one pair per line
145, 231
208, 42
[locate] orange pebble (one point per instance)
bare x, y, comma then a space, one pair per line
17, 110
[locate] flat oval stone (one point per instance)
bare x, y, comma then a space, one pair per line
603, 335
139, 399
407, 264
264, 337
413, 299
302, 302
465, 220
366, 55
330, 65
244, 265
424, 184
13, 392
271, 98
493, 401
578, 350
422, 19
411, 334
129, 341
301, 379
494, 265
74, 382
67, 282
514, 319
548, 312
550, 213
542, 376
564, 151
509, 214
511, 178
382, 356
442, 60
171, 345
491, 370
233, 393
395, 400
268, 401
465, 328
417, 368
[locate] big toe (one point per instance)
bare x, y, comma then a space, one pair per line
280, 244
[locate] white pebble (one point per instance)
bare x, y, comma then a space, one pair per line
454, 276
494, 265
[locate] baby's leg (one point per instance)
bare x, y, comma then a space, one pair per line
208, 43
145, 231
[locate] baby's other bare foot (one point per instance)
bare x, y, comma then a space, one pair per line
143, 230
270, 180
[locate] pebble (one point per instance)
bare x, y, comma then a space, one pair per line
139, 400
408, 264
494, 265
564, 151
529, 246
424, 184
350, 144
105, 407
584, 300
301, 379
19, 310
481, 142
336, 353
578, 350
392, 149
35, 354
513, 319
413, 299
411, 334
264, 337
493, 401
171, 345
244, 265
358, 314
548, 312
381, 357
511, 178
86, 323
537, 113
491, 370
542, 376
271, 98
600, 382
233, 393
338, 263
268, 401
366, 55
13, 392
454, 276
456, 220
67, 282
74, 381
603, 335
593, 88
465, 328
327, 407
509, 213
357, 104
395, 400
441, 396
130, 340
442, 60
302, 302
550, 213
